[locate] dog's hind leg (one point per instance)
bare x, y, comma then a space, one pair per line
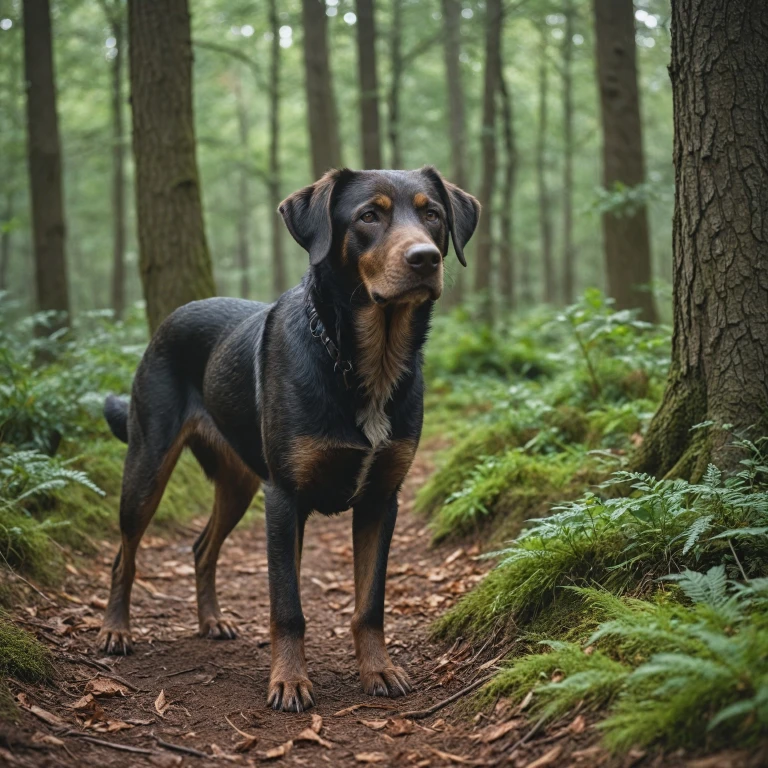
234, 491
145, 476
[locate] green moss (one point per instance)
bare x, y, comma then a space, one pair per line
21, 655
26, 545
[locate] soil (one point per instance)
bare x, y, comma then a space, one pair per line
179, 692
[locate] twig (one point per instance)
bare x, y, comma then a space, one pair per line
179, 748
420, 714
105, 671
738, 562
528, 735
181, 672
112, 744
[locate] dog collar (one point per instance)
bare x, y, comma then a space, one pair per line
317, 329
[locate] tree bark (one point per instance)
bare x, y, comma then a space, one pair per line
396, 54
173, 252
545, 215
369, 87
625, 233
506, 232
569, 290
279, 284
44, 155
118, 165
456, 119
244, 193
483, 262
719, 368
321, 106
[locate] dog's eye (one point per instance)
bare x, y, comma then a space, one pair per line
432, 215
369, 217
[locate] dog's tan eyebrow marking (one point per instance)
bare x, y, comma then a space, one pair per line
382, 201
420, 200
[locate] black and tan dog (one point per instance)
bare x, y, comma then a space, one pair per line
319, 395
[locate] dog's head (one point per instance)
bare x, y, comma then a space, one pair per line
388, 230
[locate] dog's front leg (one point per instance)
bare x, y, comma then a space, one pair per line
372, 527
289, 686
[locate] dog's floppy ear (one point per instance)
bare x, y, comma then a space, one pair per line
462, 209
307, 214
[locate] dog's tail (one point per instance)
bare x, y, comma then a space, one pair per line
116, 414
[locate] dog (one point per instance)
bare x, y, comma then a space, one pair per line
318, 395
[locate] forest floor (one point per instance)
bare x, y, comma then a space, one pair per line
209, 697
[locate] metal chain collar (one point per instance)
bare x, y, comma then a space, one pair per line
317, 329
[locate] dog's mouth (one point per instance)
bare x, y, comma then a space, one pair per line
416, 294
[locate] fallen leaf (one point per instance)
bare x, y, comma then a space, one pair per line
317, 723
546, 759
118, 725
456, 758
453, 556
490, 663
220, 754
44, 715
355, 707
161, 705
281, 751
309, 735
495, 732
526, 701
103, 686
165, 761
375, 725
578, 725
47, 738
401, 727
371, 757
249, 740
85, 703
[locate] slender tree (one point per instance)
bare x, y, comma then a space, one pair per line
44, 155
398, 66
279, 283
545, 213
506, 232
322, 116
6, 230
244, 191
719, 370
456, 110
369, 87
625, 233
483, 263
173, 253
567, 71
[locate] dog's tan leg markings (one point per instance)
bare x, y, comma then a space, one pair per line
144, 482
372, 533
234, 491
289, 686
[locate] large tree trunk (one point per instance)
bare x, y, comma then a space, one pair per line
44, 153
625, 234
568, 253
545, 214
279, 284
398, 65
506, 245
173, 253
483, 264
456, 121
118, 166
719, 369
244, 193
321, 105
369, 87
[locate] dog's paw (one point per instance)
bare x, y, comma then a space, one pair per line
116, 642
392, 681
217, 628
291, 695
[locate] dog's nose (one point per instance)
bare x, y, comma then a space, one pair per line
423, 258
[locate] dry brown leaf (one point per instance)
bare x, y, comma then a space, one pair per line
47, 738
161, 705
578, 725
220, 754
117, 725
355, 707
309, 735
526, 701
490, 663
44, 715
103, 686
374, 725
401, 727
456, 758
277, 752
84, 704
455, 555
495, 732
317, 723
249, 740
548, 758
165, 761
371, 757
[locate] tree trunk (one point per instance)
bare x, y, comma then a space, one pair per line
173, 253
456, 122
44, 153
279, 284
719, 369
506, 245
545, 215
483, 264
6, 230
396, 53
625, 233
118, 167
526, 283
244, 193
569, 290
321, 106
369, 88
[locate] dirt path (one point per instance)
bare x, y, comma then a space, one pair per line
199, 685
